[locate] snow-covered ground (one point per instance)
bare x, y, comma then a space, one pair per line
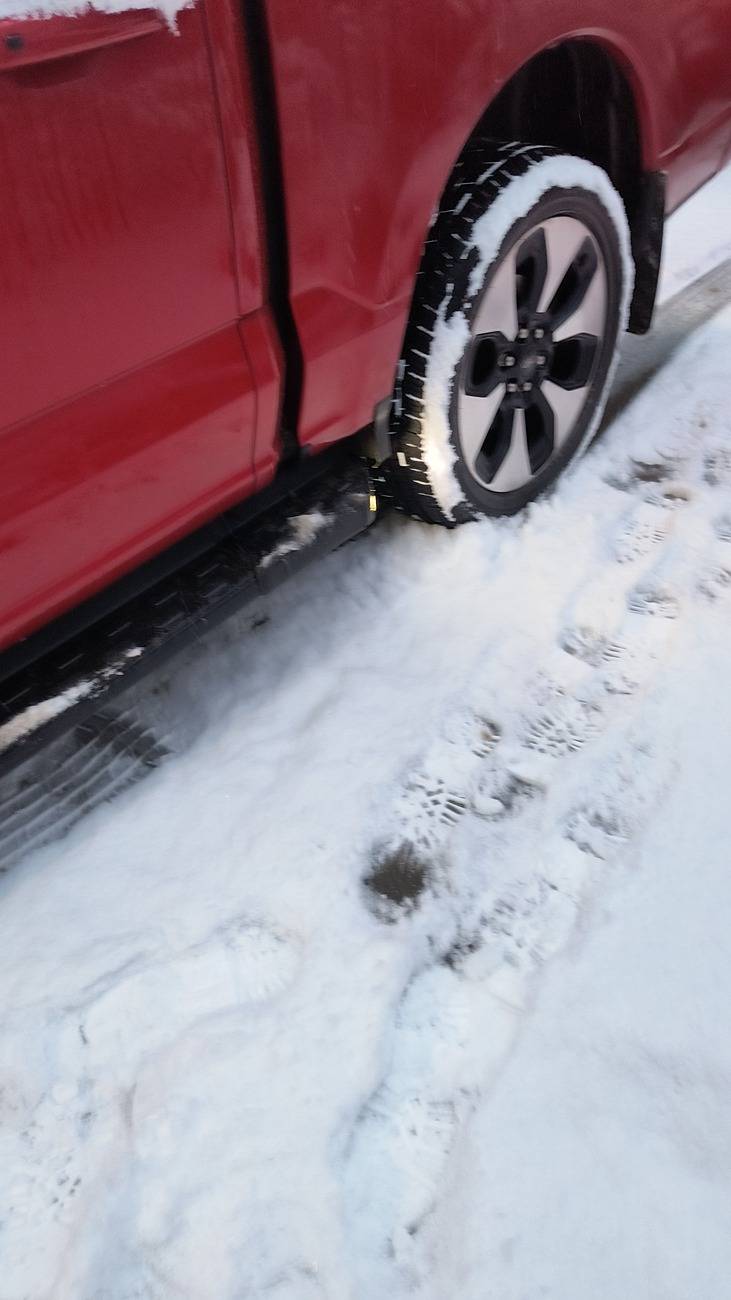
234, 1067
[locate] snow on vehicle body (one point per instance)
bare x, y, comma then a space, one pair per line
213, 226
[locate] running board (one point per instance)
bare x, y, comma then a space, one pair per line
69, 683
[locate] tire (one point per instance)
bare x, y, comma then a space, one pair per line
508, 357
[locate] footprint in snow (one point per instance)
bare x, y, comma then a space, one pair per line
590, 645
473, 732
434, 797
426, 810
637, 472
520, 926
427, 803
403, 1136
407, 1137
621, 667
597, 831
627, 661
656, 602
240, 965
717, 467
641, 534
669, 496
526, 924
563, 728
722, 528
503, 794
715, 581
618, 799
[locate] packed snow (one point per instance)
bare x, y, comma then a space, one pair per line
303, 530
409, 974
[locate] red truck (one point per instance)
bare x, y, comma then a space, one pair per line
266, 256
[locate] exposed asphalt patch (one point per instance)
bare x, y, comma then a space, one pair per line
396, 880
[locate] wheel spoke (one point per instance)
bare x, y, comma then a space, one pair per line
531, 264
481, 367
564, 237
573, 361
588, 315
476, 415
515, 469
566, 404
498, 311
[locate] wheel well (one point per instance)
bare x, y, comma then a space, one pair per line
575, 97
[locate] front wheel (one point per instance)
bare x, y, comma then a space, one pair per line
523, 291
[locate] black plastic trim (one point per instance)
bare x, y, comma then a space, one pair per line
275, 236
648, 225
70, 680
291, 478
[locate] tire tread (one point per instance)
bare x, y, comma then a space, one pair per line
483, 171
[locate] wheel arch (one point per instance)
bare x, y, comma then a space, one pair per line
584, 95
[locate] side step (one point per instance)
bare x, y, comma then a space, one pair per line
68, 683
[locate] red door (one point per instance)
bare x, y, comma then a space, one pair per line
126, 400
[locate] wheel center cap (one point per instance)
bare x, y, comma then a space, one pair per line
528, 366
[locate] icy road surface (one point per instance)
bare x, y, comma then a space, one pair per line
410, 974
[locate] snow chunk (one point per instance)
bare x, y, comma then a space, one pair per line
23, 9
303, 531
37, 715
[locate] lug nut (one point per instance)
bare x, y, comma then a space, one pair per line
507, 359
526, 387
522, 333
538, 332
511, 387
541, 358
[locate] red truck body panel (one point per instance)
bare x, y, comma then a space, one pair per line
376, 102
128, 408
140, 368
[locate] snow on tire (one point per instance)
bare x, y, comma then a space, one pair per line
522, 294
